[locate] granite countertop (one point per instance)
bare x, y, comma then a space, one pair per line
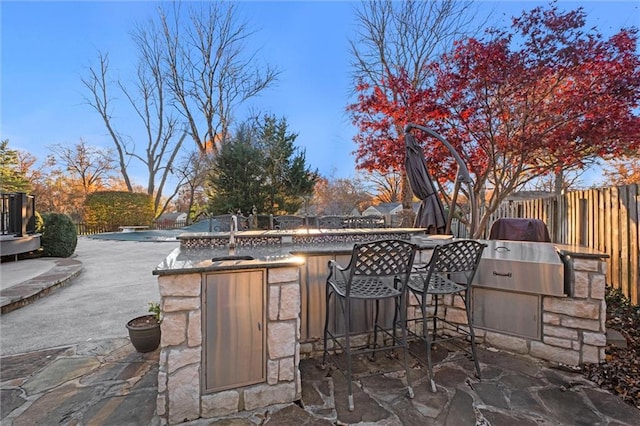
194, 260
580, 251
182, 261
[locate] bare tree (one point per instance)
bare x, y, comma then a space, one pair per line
403, 37
199, 67
100, 99
339, 196
559, 182
210, 71
68, 174
90, 166
148, 97
193, 170
387, 186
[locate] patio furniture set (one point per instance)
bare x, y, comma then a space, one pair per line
385, 269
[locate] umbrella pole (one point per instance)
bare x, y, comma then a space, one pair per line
454, 200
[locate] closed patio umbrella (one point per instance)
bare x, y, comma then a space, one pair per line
430, 214
462, 176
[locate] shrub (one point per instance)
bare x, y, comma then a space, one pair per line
59, 235
111, 209
39, 223
35, 224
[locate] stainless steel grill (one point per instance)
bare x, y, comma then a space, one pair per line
511, 280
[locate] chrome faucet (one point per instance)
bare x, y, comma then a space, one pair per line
233, 228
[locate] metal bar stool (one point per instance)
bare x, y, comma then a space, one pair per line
377, 271
450, 271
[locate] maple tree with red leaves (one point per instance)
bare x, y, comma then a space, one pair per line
538, 98
405, 36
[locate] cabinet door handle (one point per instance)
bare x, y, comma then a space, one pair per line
502, 274
259, 326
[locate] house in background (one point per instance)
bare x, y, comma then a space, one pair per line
390, 211
387, 210
171, 220
383, 209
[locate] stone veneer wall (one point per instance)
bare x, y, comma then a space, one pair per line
573, 327
180, 368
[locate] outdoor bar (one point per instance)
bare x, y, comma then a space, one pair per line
237, 320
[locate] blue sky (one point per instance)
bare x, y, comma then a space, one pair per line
46, 47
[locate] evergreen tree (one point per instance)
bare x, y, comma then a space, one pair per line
235, 181
287, 177
260, 166
12, 179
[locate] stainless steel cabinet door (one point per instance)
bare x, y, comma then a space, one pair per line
234, 329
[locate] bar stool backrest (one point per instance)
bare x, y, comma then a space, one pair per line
382, 258
460, 258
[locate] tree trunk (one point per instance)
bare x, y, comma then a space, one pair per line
558, 183
406, 195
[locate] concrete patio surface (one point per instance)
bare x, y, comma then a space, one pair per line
66, 359
114, 283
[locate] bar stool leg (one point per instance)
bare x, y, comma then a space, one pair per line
375, 329
326, 326
347, 342
472, 334
427, 339
435, 315
403, 330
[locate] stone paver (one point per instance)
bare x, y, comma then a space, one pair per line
93, 383
107, 382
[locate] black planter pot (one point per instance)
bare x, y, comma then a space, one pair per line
144, 337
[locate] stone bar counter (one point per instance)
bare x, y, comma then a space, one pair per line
235, 322
232, 318
556, 318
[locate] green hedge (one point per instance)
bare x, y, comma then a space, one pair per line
59, 237
111, 209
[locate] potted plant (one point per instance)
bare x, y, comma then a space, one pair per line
144, 331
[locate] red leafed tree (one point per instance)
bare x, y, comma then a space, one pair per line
378, 116
535, 99
391, 36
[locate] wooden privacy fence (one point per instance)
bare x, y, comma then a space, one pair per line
605, 219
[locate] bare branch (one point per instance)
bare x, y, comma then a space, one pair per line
403, 37
210, 71
100, 99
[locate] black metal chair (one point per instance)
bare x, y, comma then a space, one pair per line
287, 222
378, 270
332, 222
369, 221
450, 271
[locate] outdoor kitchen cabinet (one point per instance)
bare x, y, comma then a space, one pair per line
234, 327
511, 280
313, 278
